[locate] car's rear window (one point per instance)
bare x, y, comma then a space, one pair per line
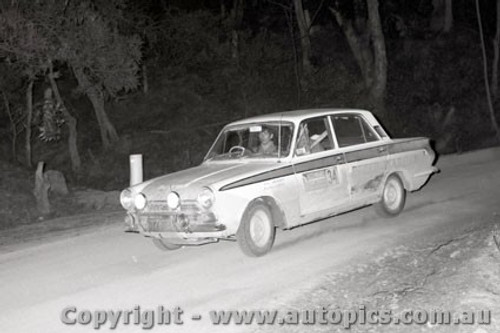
352, 130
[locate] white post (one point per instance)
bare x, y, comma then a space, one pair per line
135, 169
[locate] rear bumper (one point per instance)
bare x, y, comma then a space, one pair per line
419, 179
426, 173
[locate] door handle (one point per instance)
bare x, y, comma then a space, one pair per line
381, 149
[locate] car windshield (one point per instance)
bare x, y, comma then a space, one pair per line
255, 140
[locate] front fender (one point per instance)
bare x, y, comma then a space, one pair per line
232, 204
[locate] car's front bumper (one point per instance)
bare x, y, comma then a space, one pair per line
176, 225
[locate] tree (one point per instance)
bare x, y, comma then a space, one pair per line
442, 16
305, 39
11, 83
493, 118
448, 16
23, 47
496, 52
27, 43
236, 18
104, 61
70, 122
363, 31
86, 37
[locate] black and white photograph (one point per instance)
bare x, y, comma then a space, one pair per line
250, 166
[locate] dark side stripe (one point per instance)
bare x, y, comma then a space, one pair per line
288, 171
319, 163
261, 177
323, 162
410, 144
365, 154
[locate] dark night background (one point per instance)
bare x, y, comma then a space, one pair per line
172, 73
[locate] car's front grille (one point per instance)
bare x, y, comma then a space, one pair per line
187, 207
185, 220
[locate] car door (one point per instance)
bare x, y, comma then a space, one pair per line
366, 156
319, 168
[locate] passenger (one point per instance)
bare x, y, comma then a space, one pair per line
267, 145
307, 145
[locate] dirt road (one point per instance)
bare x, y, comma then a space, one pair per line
107, 269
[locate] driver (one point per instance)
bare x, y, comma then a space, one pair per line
267, 145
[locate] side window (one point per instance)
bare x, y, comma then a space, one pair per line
313, 136
352, 130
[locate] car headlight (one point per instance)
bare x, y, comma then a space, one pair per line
140, 201
173, 200
206, 198
127, 199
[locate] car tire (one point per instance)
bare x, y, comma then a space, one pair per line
256, 232
164, 245
393, 197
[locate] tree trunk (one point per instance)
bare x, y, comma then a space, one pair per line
305, 40
298, 84
448, 16
13, 126
367, 44
222, 9
496, 51
41, 191
145, 82
437, 18
493, 119
72, 142
96, 96
29, 110
71, 123
236, 18
378, 88
235, 46
359, 43
442, 16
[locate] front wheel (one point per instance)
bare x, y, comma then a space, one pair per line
164, 245
257, 231
393, 197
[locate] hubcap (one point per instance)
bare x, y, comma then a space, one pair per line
260, 228
392, 195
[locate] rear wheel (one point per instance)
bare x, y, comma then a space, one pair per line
393, 197
257, 231
164, 245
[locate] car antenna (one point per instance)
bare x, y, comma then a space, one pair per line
279, 138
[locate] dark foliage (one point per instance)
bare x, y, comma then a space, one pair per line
195, 87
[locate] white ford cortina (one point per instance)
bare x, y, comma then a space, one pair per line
279, 170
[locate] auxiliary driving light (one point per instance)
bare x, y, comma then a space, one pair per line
173, 200
140, 201
127, 199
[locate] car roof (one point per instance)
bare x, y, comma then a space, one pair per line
296, 115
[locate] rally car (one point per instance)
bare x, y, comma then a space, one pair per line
279, 170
